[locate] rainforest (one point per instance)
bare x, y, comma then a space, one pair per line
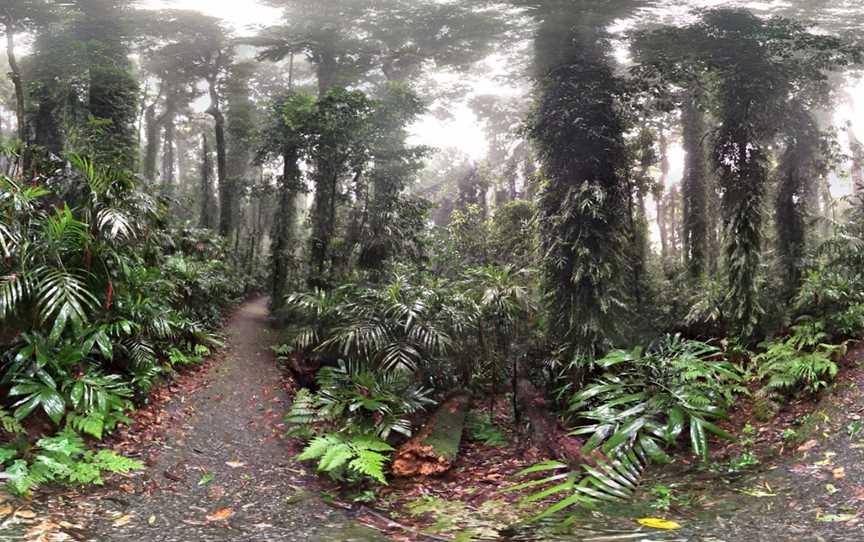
435, 270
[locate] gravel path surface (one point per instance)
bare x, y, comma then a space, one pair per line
225, 472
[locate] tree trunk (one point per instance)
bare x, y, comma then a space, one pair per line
283, 227
434, 449
857, 174
545, 433
17, 82
151, 129
169, 157
659, 190
693, 191
226, 190
206, 217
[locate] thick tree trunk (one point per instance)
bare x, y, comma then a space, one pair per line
434, 449
283, 227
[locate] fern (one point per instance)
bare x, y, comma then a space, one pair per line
800, 362
340, 456
62, 458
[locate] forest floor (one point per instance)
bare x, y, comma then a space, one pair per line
218, 467
798, 478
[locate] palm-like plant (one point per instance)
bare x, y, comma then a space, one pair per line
49, 256
642, 403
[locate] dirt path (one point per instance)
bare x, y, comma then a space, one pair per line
225, 473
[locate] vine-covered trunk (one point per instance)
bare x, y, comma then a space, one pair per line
284, 239
583, 207
693, 188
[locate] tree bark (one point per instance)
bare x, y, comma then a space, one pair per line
659, 190
283, 234
169, 157
206, 217
545, 433
434, 449
151, 151
694, 195
17, 81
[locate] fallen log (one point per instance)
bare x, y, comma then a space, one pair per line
436, 446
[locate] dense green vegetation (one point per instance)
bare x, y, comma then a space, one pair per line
162, 167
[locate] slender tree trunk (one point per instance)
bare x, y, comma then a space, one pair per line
17, 82
169, 157
226, 190
151, 151
693, 191
206, 216
857, 174
659, 195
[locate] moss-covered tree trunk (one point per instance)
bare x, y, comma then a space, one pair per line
434, 449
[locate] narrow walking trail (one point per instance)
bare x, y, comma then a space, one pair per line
224, 471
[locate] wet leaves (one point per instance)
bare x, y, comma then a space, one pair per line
220, 515
836, 517
123, 520
658, 523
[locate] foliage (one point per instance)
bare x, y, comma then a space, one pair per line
801, 362
356, 399
61, 458
640, 404
480, 429
347, 457
652, 397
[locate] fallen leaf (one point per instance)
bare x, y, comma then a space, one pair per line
657, 523
123, 520
831, 489
206, 479
5, 510
835, 517
151, 520
25, 514
235, 464
220, 515
839, 473
809, 445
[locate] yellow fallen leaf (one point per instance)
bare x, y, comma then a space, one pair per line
235, 464
839, 473
220, 515
151, 520
5, 510
657, 523
122, 520
25, 514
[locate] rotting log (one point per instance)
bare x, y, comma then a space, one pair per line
545, 432
434, 449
